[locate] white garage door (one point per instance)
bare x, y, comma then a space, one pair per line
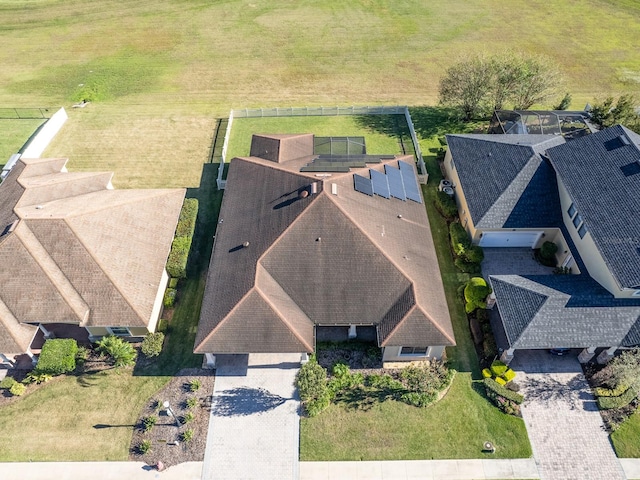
509, 239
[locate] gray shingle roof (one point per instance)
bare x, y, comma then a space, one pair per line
321, 259
607, 200
574, 311
496, 170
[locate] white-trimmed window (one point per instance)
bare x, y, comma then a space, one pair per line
636, 293
572, 211
119, 331
582, 231
451, 164
414, 351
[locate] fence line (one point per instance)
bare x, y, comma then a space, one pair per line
25, 113
319, 111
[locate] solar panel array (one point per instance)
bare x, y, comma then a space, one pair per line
341, 163
400, 183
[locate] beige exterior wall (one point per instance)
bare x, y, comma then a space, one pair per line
97, 331
588, 251
461, 201
157, 305
392, 354
138, 331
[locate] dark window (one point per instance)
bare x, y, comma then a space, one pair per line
630, 169
120, 331
414, 351
582, 231
576, 221
572, 210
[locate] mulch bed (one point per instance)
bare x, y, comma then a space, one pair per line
167, 445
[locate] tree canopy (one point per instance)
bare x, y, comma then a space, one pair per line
479, 84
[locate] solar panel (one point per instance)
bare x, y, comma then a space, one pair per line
380, 184
362, 184
410, 182
396, 187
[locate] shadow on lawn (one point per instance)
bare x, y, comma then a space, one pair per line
362, 398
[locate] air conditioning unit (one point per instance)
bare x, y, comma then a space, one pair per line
445, 184
448, 190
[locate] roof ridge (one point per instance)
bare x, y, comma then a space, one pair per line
50, 268
60, 177
102, 269
281, 317
4, 308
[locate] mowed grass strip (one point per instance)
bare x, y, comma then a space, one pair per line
14, 133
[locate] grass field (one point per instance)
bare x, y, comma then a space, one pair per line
625, 438
159, 71
13, 135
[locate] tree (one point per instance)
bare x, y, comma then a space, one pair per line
475, 294
538, 80
623, 370
121, 352
564, 103
465, 86
609, 112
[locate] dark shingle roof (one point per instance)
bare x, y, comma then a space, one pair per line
607, 200
575, 312
495, 170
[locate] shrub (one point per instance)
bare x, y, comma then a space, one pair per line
607, 403
81, 355
188, 216
152, 344
446, 205
564, 103
178, 256
194, 384
610, 392
37, 377
459, 238
492, 385
173, 283
482, 315
144, 447
513, 386
475, 293
122, 353
509, 375
548, 250
187, 435
467, 267
192, 402
343, 379
7, 382
57, 356
489, 347
383, 382
18, 389
500, 381
169, 297
188, 417
149, 422
473, 254
486, 373
312, 386
498, 368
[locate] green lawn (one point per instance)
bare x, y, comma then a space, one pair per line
456, 426
14, 134
322, 126
625, 439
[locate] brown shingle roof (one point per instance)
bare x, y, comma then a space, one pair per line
82, 252
15, 338
320, 260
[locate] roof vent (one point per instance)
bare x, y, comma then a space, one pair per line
303, 194
245, 244
617, 142
39, 207
630, 169
314, 188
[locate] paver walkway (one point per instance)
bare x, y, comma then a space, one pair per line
565, 428
254, 428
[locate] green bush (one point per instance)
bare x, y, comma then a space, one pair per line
122, 353
607, 403
467, 267
313, 387
548, 250
173, 282
178, 256
57, 356
491, 384
169, 297
459, 238
187, 435
509, 375
149, 422
501, 381
489, 347
192, 402
486, 373
7, 382
482, 315
473, 254
144, 447
475, 293
498, 368
37, 377
608, 392
18, 389
194, 384
152, 344
446, 205
188, 216
188, 417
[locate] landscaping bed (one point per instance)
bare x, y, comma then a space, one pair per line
166, 438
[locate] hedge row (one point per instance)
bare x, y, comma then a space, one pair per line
498, 389
177, 261
607, 403
58, 356
446, 205
608, 392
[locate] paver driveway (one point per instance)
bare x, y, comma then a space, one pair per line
254, 428
566, 431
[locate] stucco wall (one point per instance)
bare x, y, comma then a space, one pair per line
461, 201
157, 305
49, 130
392, 354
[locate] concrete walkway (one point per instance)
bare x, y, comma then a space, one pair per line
254, 429
565, 428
